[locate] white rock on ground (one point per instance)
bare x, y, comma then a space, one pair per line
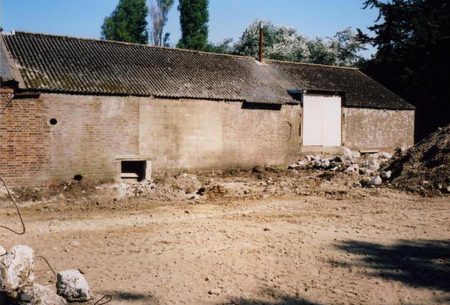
326, 163
386, 175
40, 295
373, 165
347, 153
2, 251
354, 168
356, 154
384, 155
16, 269
72, 286
317, 163
375, 181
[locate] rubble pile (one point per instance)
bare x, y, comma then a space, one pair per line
134, 189
425, 167
17, 281
351, 162
166, 187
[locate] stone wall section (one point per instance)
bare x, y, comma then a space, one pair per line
377, 128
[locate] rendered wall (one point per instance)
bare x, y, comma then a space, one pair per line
377, 128
204, 134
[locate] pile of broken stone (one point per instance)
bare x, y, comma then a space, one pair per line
367, 165
17, 281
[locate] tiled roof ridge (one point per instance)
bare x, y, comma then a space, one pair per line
241, 57
311, 64
245, 57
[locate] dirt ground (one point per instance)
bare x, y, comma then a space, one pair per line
375, 246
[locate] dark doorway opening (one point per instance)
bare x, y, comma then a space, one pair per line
133, 170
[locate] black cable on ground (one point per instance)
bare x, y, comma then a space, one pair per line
17, 209
48, 264
104, 300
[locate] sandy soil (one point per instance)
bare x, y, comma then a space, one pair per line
377, 247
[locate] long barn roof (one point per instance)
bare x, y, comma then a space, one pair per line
52, 63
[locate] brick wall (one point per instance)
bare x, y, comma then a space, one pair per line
24, 140
377, 128
90, 132
93, 131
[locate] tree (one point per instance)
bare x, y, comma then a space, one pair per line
346, 45
284, 43
158, 15
413, 41
320, 52
280, 42
224, 47
127, 22
194, 24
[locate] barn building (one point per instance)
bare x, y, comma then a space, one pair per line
74, 107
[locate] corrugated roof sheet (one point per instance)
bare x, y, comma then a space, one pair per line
86, 66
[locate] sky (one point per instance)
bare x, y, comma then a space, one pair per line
228, 18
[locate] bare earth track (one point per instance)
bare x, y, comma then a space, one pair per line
379, 246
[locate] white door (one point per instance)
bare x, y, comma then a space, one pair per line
322, 120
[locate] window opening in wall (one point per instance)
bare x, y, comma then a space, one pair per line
78, 177
133, 170
53, 121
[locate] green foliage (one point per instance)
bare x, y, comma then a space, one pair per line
413, 41
347, 44
320, 52
194, 24
127, 22
226, 47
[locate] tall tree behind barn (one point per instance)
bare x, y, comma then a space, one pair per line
158, 14
194, 18
413, 40
127, 22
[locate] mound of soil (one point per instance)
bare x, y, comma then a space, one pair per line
425, 167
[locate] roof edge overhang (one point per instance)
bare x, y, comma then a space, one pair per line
410, 107
13, 77
37, 91
324, 91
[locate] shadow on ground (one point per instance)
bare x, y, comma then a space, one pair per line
421, 264
123, 297
117, 297
278, 299
130, 296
